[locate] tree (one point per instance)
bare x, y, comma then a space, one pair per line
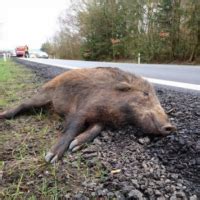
49, 48
160, 30
107, 28
193, 24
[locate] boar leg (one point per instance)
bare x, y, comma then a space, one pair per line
74, 128
37, 101
86, 136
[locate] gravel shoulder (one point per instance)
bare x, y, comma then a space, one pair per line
119, 164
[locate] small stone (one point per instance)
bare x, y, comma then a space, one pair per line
91, 163
78, 195
197, 113
149, 191
174, 176
167, 181
91, 155
105, 135
161, 198
135, 183
102, 192
90, 149
135, 194
93, 194
178, 195
46, 172
157, 174
119, 195
168, 189
85, 198
30, 183
173, 197
144, 140
181, 141
144, 166
40, 176
97, 141
127, 188
89, 184
179, 184
157, 193
67, 196
173, 188
198, 145
110, 194
193, 197
198, 161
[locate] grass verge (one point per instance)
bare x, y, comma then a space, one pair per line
24, 141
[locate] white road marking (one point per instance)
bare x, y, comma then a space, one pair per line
174, 84
52, 64
152, 80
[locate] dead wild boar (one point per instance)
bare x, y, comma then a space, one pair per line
91, 99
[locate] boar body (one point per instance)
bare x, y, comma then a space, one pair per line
91, 99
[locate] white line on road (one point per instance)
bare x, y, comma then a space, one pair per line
152, 80
174, 84
157, 81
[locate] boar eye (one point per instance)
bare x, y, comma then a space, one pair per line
146, 93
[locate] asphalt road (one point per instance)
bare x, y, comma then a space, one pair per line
172, 75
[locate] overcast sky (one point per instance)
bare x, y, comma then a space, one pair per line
29, 22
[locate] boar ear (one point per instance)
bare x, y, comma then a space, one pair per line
123, 86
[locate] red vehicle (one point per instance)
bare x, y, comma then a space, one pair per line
22, 51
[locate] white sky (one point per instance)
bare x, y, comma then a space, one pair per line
29, 22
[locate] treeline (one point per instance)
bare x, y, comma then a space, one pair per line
160, 30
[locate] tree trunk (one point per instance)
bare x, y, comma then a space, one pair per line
197, 45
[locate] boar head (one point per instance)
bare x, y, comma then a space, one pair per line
145, 107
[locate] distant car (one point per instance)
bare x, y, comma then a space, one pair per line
13, 53
7, 53
20, 51
38, 54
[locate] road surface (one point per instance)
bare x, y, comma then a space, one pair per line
184, 76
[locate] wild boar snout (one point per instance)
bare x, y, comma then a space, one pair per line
157, 122
167, 129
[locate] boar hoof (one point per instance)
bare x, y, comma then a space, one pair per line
73, 144
51, 157
55, 159
76, 148
58, 150
2, 115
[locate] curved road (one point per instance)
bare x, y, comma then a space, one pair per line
173, 75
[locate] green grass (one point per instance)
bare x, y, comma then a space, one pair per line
12, 82
9, 72
24, 142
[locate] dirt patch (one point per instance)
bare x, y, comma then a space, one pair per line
119, 164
